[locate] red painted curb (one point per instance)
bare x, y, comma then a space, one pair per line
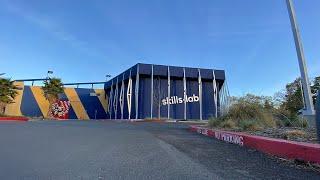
14, 119
307, 152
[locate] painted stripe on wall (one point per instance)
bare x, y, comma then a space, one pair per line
29, 106
102, 98
42, 102
13, 109
72, 114
76, 103
91, 104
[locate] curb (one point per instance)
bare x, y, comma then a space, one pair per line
13, 119
307, 152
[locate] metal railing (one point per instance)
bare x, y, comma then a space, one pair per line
65, 84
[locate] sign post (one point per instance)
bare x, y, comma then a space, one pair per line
318, 116
309, 108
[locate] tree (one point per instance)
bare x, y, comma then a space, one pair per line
315, 88
292, 98
8, 91
262, 101
268, 104
52, 89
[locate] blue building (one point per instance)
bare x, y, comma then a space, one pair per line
165, 92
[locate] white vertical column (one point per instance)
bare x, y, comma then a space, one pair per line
110, 100
151, 103
215, 93
115, 100
200, 93
169, 87
137, 92
185, 93
121, 100
129, 95
159, 98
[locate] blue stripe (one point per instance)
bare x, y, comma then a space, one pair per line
91, 103
29, 106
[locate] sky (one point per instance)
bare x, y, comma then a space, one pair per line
82, 41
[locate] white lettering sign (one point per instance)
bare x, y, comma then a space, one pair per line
229, 138
180, 100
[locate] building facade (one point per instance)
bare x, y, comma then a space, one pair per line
166, 92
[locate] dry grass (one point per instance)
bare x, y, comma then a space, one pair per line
229, 124
294, 134
246, 116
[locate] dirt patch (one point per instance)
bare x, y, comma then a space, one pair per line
298, 134
289, 133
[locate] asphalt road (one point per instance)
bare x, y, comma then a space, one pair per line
113, 150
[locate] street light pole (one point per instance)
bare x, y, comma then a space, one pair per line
107, 76
309, 108
49, 72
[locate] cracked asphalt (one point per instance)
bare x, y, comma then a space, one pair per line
120, 150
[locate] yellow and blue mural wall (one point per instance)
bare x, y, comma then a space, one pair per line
86, 103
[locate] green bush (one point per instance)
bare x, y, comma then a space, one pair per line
299, 122
251, 113
249, 125
228, 124
214, 122
248, 113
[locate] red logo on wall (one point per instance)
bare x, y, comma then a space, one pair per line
60, 109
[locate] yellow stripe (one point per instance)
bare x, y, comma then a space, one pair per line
13, 109
76, 103
42, 102
101, 96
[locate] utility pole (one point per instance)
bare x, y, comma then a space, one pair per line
309, 108
107, 76
49, 72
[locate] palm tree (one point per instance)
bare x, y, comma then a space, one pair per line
8, 91
51, 89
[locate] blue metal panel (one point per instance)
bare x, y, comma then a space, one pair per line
176, 71
206, 74
145, 69
163, 95
156, 104
144, 98
208, 109
193, 109
192, 73
220, 74
125, 101
160, 70
177, 109
126, 74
